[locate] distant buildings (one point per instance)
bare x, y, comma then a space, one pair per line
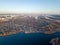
10, 24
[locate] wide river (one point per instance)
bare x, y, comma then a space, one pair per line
28, 39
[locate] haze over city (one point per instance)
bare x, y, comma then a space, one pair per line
30, 6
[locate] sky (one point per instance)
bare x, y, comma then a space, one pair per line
30, 6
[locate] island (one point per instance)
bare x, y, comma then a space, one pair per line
55, 41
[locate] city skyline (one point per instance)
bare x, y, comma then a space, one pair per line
30, 6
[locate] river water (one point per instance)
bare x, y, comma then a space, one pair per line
28, 39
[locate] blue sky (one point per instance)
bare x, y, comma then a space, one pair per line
30, 6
